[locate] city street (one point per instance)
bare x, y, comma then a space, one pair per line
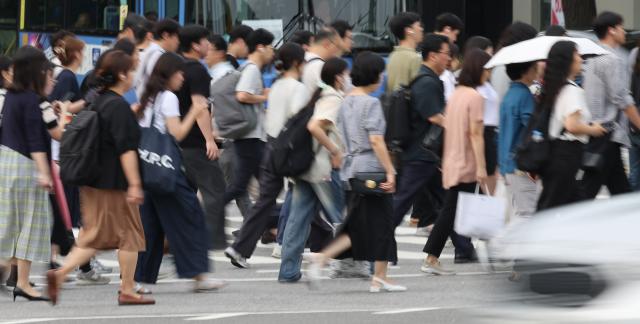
254, 295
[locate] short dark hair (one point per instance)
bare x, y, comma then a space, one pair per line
555, 30
432, 43
30, 68
448, 19
151, 15
191, 34
301, 37
342, 27
515, 33
399, 22
477, 42
325, 33
258, 37
331, 69
141, 34
604, 21
218, 42
137, 24
366, 69
473, 68
240, 32
168, 26
515, 71
126, 46
5, 65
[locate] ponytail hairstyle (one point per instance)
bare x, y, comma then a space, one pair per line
66, 48
331, 69
168, 64
111, 66
289, 55
556, 73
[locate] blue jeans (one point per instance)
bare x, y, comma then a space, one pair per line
306, 199
284, 215
634, 167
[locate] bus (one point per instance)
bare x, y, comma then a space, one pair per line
8, 26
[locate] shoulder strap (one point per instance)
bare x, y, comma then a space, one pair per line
418, 77
315, 59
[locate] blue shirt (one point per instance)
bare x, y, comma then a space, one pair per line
516, 108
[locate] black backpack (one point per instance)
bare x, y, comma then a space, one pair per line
292, 151
397, 113
534, 150
80, 148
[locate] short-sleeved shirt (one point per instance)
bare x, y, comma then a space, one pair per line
165, 105
458, 161
196, 82
286, 98
24, 126
402, 67
570, 100
449, 82
148, 60
311, 71
515, 110
427, 100
251, 82
360, 117
491, 104
327, 108
66, 88
119, 133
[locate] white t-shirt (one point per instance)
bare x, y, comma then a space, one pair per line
491, 104
449, 81
311, 72
148, 60
165, 105
571, 99
286, 97
251, 82
219, 70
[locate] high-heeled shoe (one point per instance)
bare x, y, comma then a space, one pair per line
385, 286
19, 292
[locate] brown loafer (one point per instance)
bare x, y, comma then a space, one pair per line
126, 299
52, 286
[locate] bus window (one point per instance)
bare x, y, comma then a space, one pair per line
221, 15
8, 25
369, 21
151, 9
44, 15
92, 17
172, 9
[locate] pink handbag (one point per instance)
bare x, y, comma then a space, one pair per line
61, 199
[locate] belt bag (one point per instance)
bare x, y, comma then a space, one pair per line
368, 183
593, 156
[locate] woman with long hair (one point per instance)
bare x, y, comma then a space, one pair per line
25, 173
368, 230
463, 160
177, 215
110, 212
569, 125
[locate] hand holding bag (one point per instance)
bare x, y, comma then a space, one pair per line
368, 183
479, 216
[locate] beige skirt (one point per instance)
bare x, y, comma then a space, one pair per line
109, 222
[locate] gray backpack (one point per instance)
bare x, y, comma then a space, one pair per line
233, 118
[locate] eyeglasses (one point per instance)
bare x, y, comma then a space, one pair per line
446, 53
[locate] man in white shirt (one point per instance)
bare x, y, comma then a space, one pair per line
165, 39
327, 44
450, 25
216, 59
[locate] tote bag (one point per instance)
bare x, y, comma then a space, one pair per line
160, 160
479, 216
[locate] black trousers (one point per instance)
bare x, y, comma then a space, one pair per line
612, 175
414, 177
249, 154
559, 183
208, 178
261, 214
443, 227
428, 202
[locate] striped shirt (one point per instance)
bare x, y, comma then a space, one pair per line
606, 84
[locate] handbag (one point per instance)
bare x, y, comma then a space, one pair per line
593, 156
433, 141
479, 216
161, 159
368, 183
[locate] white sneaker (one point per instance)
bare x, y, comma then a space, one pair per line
277, 251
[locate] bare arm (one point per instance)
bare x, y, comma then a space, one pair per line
129, 162
179, 129
437, 119
317, 128
633, 115
249, 98
575, 126
477, 145
380, 149
204, 122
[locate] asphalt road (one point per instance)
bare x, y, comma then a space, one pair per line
254, 295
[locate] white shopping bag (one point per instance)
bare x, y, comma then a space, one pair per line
479, 216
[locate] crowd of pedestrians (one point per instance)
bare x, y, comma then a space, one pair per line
207, 99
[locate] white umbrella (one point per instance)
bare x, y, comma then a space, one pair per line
537, 49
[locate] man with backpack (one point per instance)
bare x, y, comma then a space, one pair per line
420, 166
326, 45
404, 62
